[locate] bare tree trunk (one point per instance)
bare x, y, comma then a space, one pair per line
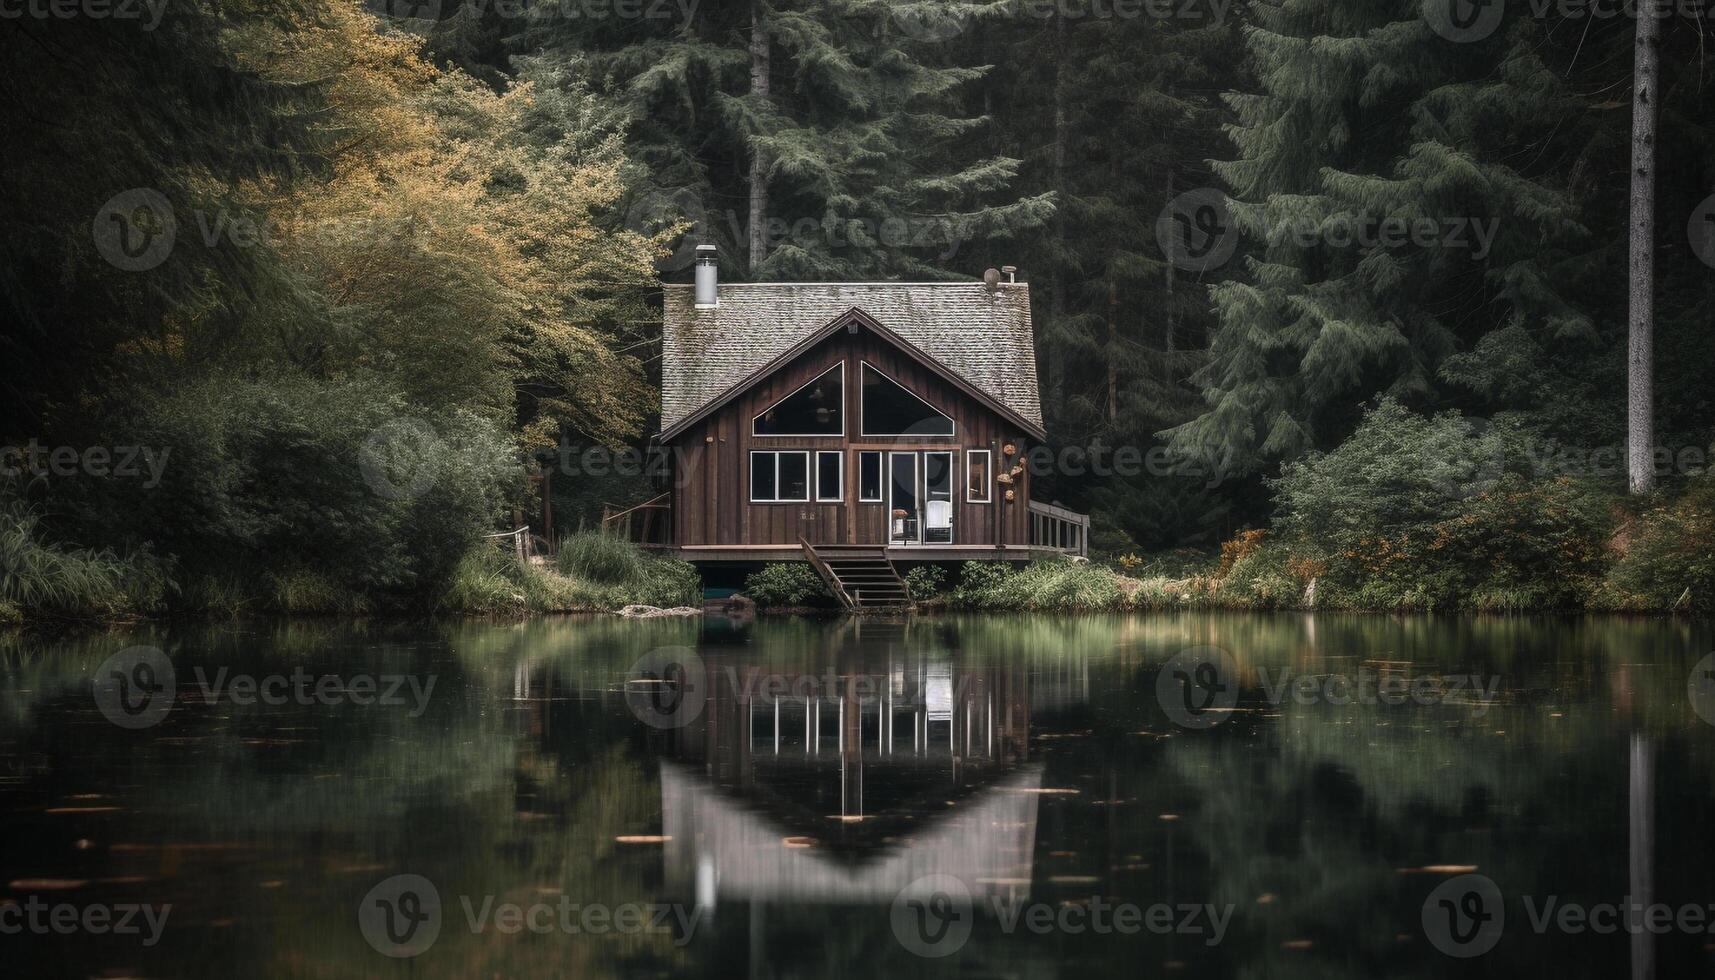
759, 70
1641, 865
1640, 340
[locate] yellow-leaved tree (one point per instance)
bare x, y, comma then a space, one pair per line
459, 238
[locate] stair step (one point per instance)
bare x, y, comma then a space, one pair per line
860, 576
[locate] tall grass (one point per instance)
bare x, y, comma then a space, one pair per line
596, 557
40, 577
591, 573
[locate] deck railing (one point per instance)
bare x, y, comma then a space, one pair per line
1059, 529
648, 523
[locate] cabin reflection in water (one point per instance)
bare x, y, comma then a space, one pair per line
846, 785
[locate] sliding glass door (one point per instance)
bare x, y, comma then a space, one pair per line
920, 498
905, 522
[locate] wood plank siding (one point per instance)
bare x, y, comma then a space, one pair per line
711, 491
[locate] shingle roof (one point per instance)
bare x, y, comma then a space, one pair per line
981, 335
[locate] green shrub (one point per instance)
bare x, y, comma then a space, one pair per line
792, 583
925, 582
979, 582
1057, 584
1420, 512
1261, 576
599, 557
1671, 549
670, 582
345, 477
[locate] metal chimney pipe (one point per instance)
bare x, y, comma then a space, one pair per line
708, 277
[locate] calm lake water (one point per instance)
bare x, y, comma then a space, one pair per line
1203, 795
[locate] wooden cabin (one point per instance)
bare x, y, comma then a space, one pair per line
838, 418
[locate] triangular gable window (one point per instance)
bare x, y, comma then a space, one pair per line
813, 410
890, 410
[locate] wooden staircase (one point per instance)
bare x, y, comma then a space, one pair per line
861, 578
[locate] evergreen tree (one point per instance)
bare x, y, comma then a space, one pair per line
827, 119
1114, 116
1401, 191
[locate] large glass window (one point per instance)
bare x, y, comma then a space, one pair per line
779, 477
869, 477
977, 476
813, 410
890, 410
830, 475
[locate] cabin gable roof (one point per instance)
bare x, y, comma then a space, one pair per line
979, 338
854, 319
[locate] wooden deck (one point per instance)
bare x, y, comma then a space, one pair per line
912, 553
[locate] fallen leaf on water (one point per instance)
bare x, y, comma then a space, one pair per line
48, 884
1439, 869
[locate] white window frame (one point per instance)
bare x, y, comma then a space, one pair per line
839, 496
809, 476
988, 481
881, 480
840, 367
864, 432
